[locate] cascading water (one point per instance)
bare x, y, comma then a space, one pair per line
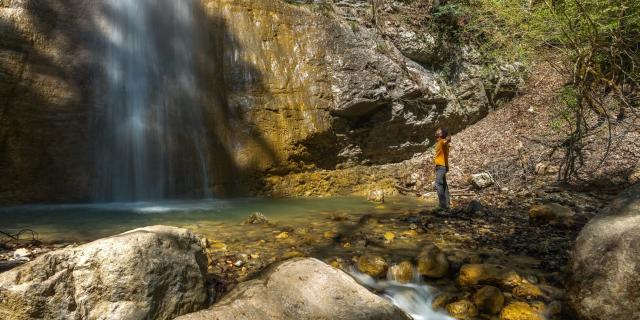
413, 298
152, 140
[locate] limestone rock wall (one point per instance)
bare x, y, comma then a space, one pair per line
290, 88
44, 118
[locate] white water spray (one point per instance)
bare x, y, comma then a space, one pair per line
152, 140
413, 298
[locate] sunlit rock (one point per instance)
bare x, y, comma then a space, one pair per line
300, 289
481, 180
462, 309
149, 273
520, 311
376, 196
489, 274
373, 265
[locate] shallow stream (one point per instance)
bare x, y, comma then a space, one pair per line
86, 222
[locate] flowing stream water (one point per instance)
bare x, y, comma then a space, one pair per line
152, 141
414, 298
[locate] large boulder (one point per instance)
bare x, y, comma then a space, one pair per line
606, 262
301, 288
149, 273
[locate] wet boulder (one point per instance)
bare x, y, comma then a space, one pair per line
149, 273
462, 309
520, 311
489, 300
528, 291
432, 262
373, 265
402, 272
301, 288
488, 274
605, 263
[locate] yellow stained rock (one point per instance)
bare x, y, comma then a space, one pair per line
492, 274
520, 311
389, 236
282, 235
330, 234
463, 309
373, 265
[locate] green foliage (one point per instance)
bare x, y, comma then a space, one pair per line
598, 39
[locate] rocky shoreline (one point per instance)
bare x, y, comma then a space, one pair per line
504, 257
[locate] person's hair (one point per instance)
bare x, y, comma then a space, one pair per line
444, 132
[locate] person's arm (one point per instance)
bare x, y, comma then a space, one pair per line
447, 142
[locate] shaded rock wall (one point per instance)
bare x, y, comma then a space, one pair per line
44, 109
289, 87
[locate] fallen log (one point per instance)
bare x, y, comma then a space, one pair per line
7, 265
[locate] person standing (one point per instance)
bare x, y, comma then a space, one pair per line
441, 160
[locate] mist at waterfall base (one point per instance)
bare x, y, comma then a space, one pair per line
151, 138
414, 298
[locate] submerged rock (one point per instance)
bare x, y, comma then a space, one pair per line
256, 218
373, 265
149, 273
301, 289
432, 262
605, 265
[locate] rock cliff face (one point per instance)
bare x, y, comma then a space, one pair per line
290, 88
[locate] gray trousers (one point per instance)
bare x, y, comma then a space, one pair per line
441, 186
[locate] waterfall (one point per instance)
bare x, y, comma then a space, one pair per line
151, 135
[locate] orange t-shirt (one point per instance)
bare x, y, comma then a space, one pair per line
441, 157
